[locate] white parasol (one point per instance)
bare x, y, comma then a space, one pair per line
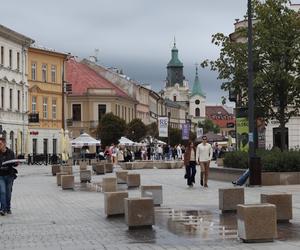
85, 140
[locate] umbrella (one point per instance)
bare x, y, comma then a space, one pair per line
85, 140
125, 141
19, 142
62, 145
27, 142
67, 144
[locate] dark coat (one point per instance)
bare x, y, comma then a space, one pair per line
187, 155
7, 169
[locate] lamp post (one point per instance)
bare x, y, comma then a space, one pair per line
254, 162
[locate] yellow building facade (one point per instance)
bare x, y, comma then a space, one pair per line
45, 100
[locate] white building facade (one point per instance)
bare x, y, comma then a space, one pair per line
14, 88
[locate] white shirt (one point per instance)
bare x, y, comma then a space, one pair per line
204, 152
179, 152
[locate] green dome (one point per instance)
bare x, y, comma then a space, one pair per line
197, 89
175, 62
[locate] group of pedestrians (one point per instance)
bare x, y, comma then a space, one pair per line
7, 176
200, 155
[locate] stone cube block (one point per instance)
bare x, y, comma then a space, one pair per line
133, 180
99, 168
82, 165
229, 198
121, 177
139, 212
109, 184
114, 202
58, 177
55, 169
67, 181
257, 222
108, 167
85, 175
154, 191
70, 162
67, 169
283, 203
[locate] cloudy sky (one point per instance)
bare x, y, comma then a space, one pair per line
135, 35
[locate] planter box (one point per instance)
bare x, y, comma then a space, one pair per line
280, 178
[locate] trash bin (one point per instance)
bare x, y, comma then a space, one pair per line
255, 171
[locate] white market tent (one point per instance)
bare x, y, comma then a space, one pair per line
85, 140
125, 141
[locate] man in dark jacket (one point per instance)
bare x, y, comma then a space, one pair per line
7, 176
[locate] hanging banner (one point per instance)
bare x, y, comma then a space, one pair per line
185, 131
199, 132
163, 126
242, 129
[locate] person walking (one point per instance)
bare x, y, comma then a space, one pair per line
7, 176
204, 155
190, 163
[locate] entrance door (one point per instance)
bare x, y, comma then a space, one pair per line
45, 146
277, 137
34, 146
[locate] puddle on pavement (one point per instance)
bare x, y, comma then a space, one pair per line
210, 224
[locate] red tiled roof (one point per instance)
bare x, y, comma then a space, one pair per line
82, 78
216, 110
219, 115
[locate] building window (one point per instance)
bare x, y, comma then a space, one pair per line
44, 72
18, 61
174, 98
76, 109
197, 102
53, 73
33, 104
10, 59
45, 107
197, 112
34, 146
33, 71
19, 100
54, 146
2, 97
53, 108
10, 98
2, 55
101, 111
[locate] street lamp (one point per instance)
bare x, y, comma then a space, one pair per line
254, 162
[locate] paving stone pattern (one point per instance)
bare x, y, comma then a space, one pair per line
47, 217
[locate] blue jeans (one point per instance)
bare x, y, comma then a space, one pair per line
243, 178
6, 183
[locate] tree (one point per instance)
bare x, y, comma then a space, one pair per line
111, 128
136, 130
208, 126
276, 52
152, 129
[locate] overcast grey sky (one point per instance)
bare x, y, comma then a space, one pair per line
135, 35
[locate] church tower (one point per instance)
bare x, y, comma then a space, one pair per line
174, 69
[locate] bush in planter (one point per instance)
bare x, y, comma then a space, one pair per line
272, 161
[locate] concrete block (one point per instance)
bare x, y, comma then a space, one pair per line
58, 177
99, 168
109, 184
154, 191
133, 180
85, 175
67, 181
121, 177
229, 198
55, 169
257, 222
70, 162
82, 165
108, 167
283, 203
139, 212
67, 169
114, 202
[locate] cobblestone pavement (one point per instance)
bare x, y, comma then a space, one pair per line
46, 217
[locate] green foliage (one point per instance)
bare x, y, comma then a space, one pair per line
175, 136
136, 130
208, 126
152, 129
276, 64
272, 161
110, 129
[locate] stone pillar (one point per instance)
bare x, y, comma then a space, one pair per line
99, 168
85, 175
229, 198
283, 203
139, 212
82, 165
67, 181
55, 169
108, 167
109, 184
257, 222
121, 177
67, 169
133, 180
114, 202
58, 177
153, 191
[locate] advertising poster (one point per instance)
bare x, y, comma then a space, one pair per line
199, 132
242, 129
185, 131
163, 126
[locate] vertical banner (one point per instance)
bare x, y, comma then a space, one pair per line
242, 129
199, 132
185, 131
261, 132
163, 126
